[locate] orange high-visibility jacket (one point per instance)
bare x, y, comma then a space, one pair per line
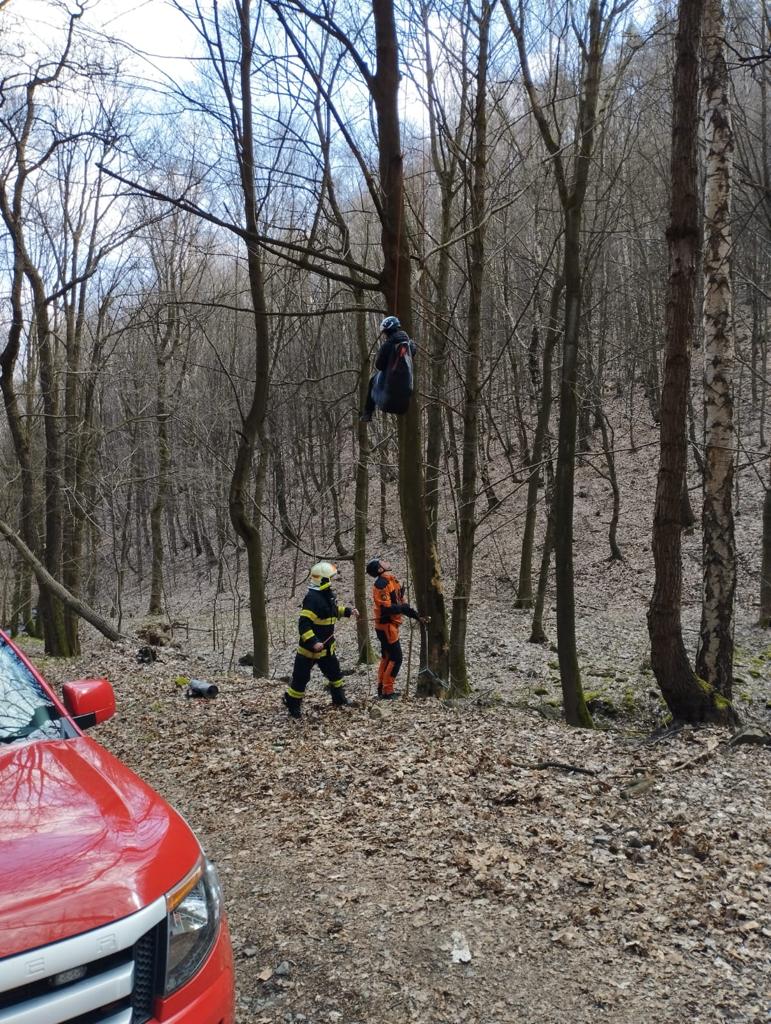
388, 601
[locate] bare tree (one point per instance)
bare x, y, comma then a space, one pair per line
535, 455
687, 698
477, 173
60, 228
714, 660
228, 37
47, 581
765, 567
386, 191
592, 39
178, 276
445, 145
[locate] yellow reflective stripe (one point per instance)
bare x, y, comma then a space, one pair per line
310, 654
308, 635
314, 618
340, 611
339, 682
294, 693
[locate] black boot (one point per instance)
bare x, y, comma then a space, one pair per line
337, 693
293, 705
390, 696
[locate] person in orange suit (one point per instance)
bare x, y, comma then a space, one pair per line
389, 608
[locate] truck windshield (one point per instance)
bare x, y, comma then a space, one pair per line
26, 711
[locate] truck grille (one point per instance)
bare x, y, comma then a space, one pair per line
146, 980
106, 976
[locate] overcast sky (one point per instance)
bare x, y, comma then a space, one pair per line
152, 26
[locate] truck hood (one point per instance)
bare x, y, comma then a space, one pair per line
83, 842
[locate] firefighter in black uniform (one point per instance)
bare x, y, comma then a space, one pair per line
318, 616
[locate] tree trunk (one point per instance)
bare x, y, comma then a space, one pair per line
15, 414
51, 586
459, 683
524, 597
289, 537
245, 507
765, 570
58, 641
437, 346
687, 698
79, 437
608, 442
155, 606
445, 162
361, 499
576, 712
714, 661
396, 285
572, 194
537, 634
328, 457
17, 176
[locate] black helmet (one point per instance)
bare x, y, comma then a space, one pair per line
373, 567
391, 323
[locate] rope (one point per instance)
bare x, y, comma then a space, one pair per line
408, 596
400, 206
409, 665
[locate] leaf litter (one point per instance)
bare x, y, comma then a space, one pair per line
474, 861
445, 862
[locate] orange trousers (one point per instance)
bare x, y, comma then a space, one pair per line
390, 658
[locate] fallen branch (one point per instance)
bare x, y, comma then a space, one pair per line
563, 766
47, 582
703, 755
560, 765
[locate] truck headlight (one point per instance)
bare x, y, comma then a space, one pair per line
193, 908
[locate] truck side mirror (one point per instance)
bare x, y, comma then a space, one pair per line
89, 701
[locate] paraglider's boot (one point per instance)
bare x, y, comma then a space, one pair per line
389, 696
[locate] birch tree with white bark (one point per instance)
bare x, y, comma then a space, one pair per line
714, 661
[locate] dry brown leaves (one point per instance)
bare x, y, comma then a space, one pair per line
444, 863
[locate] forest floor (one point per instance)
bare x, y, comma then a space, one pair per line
476, 861
471, 861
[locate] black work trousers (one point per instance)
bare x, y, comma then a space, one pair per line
301, 673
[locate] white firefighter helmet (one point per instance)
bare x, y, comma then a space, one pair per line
323, 572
